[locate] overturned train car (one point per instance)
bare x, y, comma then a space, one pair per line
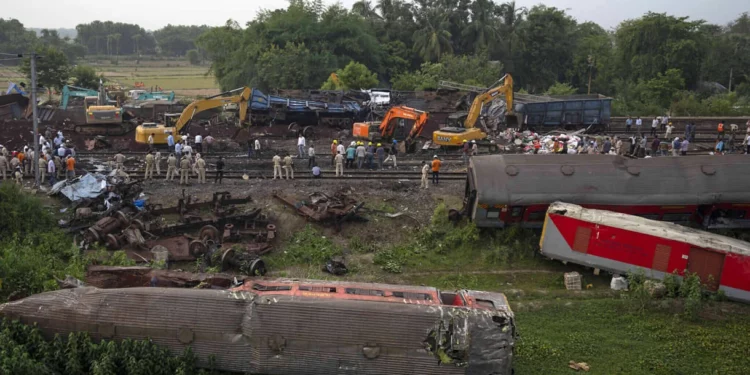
296, 327
620, 243
710, 191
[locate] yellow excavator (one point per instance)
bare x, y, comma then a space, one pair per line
174, 124
453, 136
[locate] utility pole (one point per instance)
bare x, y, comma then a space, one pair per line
35, 166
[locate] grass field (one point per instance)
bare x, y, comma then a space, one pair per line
171, 75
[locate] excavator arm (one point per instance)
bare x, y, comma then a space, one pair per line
213, 102
387, 126
505, 89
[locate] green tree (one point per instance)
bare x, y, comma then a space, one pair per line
52, 68
84, 76
193, 57
432, 40
483, 30
511, 17
94, 36
657, 42
560, 89
14, 38
663, 88
356, 76
177, 40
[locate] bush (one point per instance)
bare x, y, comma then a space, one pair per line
305, 247
692, 294
25, 351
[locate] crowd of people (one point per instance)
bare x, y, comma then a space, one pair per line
56, 159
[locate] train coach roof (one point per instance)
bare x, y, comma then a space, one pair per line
657, 228
609, 179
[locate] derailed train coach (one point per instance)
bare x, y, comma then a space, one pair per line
296, 326
710, 191
621, 243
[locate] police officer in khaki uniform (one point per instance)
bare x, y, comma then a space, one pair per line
289, 166
200, 164
4, 165
119, 161
185, 170
277, 167
42, 168
157, 161
149, 166
19, 175
171, 167
59, 167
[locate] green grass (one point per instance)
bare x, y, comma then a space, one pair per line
611, 340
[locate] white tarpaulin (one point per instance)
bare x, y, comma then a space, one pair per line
91, 185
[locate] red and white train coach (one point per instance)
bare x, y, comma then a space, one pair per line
619, 243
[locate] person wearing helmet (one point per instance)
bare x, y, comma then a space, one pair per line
360, 153
333, 152
436, 163
380, 152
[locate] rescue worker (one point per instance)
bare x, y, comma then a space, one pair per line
119, 159
18, 174
360, 153
178, 150
465, 151
676, 146
4, 165
289, 166
339, 159
425, 171
59, 167
684, 147
436, 169
70, 164
185, 170
370, 155
340, 149
22, 159
333, 152
198, 143
351, 151
720, 130
380, 152
200, 164
277, 167
219, 170
151, 141
642, 146
474, 148
392, 153
618, 146
42, 165
51, 169
654, 125
170, 143
301, 145
257, 148
311, 156
209, 141
668, 132
14, 163
157, 162
149, 166
171, 167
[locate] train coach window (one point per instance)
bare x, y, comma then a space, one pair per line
493, 213
365, 292
516, 211
537, 215
271, 288
414, 296
677, 217
317, 289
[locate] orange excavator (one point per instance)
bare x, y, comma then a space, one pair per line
393, 126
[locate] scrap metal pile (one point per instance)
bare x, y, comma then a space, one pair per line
323, 208
550, 143
218, 232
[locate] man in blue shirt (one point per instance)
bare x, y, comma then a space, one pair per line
316, 172
170, 143
628, 124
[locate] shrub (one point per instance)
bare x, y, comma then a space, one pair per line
305, 247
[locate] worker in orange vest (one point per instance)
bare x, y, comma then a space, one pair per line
436, 169
720, 129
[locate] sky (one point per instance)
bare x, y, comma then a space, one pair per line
153, 15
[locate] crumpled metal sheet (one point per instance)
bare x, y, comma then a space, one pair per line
90, 185
284, 334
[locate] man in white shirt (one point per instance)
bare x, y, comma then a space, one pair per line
301, 145
654, 125
257, 148
198, 143
340, 149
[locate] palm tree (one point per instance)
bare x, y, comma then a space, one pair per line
136, 38
483, 28
433, 39
110, 38
116, 37
511, 18
365, 9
